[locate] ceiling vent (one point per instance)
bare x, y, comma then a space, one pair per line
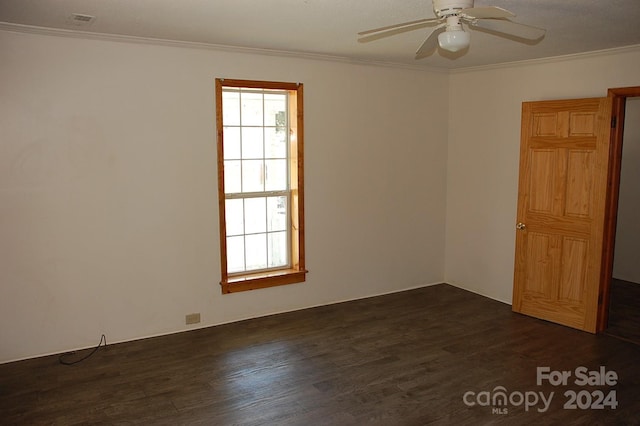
81, 19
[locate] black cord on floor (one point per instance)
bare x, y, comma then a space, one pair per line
62, 357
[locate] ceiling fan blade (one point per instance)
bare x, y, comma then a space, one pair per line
487, 12
510, 28
404, 24
431, 43
394, 31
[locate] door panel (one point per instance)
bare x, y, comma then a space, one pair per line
543, 176
573, 272
539, 268
561, 204
579, 184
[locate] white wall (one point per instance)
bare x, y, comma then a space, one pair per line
626, 262
484, 139
108, 211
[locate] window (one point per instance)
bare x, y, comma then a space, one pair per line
260, 183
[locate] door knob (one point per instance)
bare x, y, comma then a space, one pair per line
521, 226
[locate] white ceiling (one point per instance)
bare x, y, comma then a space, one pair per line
329, 27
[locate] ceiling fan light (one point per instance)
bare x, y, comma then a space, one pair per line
454, 41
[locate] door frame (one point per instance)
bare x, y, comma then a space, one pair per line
619, 97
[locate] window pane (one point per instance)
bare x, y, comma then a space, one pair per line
252, 142
252, 175
277, 249
255, 215
275, 142
256, 145
256, 253
275, 175
275, 109
276, 213
251, 109
232, 143
232, 179
231, 108
235, 254
234, 217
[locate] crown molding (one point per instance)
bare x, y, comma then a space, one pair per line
58, 32
31, 29
551, 59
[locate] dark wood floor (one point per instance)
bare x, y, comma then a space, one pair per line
624, 311
400, 359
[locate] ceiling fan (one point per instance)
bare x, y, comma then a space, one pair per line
449, 33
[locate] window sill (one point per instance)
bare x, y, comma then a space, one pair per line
256, 281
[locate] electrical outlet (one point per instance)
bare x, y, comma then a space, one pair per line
192, 318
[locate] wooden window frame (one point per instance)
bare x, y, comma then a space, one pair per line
296, 272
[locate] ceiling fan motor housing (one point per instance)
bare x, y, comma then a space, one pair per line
444, 8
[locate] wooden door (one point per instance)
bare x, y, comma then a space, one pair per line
564, 155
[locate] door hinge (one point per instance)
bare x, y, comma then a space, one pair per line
614, 122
